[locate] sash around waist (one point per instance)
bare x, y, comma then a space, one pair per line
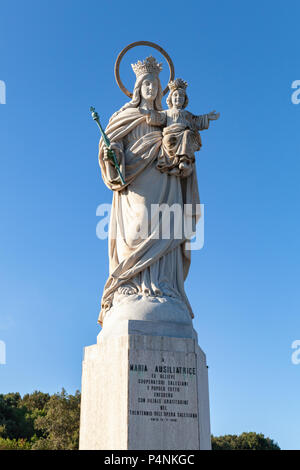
132, 142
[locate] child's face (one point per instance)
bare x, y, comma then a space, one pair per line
178, 98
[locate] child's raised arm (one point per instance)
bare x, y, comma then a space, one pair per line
202, 122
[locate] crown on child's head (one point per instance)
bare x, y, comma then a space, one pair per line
149, 65
176, 84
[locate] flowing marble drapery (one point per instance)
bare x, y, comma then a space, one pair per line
148, 265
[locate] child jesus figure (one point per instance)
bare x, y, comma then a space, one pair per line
181, 138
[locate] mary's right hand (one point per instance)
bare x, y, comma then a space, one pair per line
107, 154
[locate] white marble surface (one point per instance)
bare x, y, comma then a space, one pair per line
128, 402
136, 314
144, 263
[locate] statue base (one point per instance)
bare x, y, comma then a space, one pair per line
142, 391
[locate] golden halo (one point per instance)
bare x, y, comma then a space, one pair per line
141, 43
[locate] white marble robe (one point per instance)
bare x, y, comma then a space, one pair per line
148, 266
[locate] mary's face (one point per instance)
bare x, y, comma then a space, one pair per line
149, 88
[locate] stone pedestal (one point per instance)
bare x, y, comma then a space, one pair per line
144, 391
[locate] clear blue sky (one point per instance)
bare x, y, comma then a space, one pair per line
57, 59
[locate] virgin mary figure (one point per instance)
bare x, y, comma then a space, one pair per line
147, 269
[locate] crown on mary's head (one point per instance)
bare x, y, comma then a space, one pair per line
149, 65
176, 84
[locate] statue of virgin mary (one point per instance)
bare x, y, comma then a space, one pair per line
147, 269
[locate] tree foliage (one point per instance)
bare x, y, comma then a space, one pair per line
14, 444
60, 423
41, 421
245, 441
13, 421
